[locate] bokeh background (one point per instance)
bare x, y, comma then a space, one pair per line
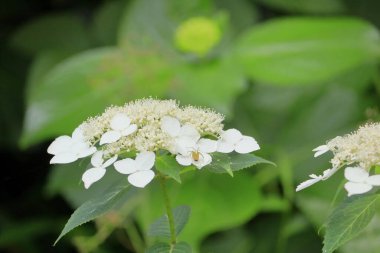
291, 73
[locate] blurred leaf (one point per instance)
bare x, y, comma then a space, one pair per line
236, 240
113, 199
348, 220
86, 84
168, 166
180, 247
215, 84
306, 6
222, 201
106, 21
60, 31
307, 50
160, 227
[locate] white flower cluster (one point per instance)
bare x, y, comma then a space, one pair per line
361, 151
144, 127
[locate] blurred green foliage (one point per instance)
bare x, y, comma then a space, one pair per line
291, 73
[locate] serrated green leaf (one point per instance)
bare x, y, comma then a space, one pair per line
168, 166
160, 227
221, 163
307, 50
243, 161
348, 220
180, 247
228, 163
113, 198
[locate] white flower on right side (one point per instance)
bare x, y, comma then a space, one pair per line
232, 140
315, 179
67, 149
139, 170
320, 150
198, 154
184, 137
94, 174
359, 180
120, 126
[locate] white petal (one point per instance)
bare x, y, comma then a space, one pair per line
64, 158
97, 159
225, 147
246, 145
329, 172
357, 188
207, 145
308, 182
141, 178
110, 137
145, 160
86, 152
109, 162
356, 174
78, 134
129, 130
60, 144
374, 180
204, 159
185, 144
120, 122
184, 160
190, 132
231, 135
126, 166
320, 150
170, 125
92, 175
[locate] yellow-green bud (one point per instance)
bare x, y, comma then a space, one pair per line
197, 35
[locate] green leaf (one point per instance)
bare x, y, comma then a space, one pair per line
168, 166
217, 202
306, 6
160, 227
348, 220
307, 50
84, 85
221, 163
63, 31
243, 161
112, 199
180, 247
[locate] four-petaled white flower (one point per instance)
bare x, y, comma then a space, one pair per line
197, 154
94, 174
139, 170
320, 150
314, 178
359, 180
232, 140
120, 126
183, 136
68, 149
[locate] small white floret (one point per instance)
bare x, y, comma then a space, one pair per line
320, 150
94, 174
120, 126
232, 140
139, 169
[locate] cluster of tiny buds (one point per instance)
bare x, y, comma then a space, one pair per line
143, 127
359, 153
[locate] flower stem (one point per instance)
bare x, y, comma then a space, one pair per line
169, 212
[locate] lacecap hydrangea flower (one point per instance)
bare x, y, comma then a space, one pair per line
358, 153
129, 137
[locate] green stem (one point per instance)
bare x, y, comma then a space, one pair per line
173, 239
135, 238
